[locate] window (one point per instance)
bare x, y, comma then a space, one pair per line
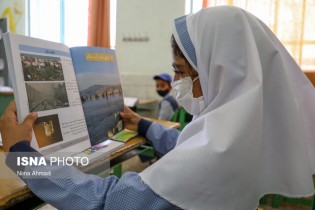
193, 6
291, 20
64, 21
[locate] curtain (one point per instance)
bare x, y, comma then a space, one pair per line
98, 25
291, 20
204, 3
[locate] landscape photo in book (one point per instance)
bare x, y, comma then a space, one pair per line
100, 91
46, 96
100, 103
47, 130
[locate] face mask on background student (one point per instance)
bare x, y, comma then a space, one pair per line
184, 95
163, 93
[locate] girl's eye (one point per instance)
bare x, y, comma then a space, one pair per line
176, 71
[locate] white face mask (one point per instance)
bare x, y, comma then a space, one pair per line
184, 95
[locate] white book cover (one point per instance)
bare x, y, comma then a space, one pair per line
76, 92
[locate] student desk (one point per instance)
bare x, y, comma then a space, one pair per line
14, 191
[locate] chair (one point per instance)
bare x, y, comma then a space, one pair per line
181, 116
278, 199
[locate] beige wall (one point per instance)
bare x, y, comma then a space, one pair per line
140, 60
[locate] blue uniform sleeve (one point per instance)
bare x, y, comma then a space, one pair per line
22, 146
20, 149
72, 189
82, 191
162, 138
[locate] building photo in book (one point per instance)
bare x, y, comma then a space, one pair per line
47, 130
41, 68
46, 96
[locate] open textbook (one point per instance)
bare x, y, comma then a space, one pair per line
76, 92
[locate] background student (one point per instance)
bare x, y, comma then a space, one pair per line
168, 105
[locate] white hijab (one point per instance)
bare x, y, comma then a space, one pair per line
257, 133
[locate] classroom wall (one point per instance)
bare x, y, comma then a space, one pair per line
143, 42
14, 12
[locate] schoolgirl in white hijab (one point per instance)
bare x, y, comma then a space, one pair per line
253, 131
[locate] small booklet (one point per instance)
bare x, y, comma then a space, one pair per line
124, 135
76, 92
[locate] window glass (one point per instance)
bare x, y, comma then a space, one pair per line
64, 21
45, 19
291, 20
76, 22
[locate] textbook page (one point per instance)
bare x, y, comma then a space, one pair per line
44, 81
100, 90
131, 101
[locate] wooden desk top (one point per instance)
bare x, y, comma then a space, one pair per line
143, 101
6, 92
14, 190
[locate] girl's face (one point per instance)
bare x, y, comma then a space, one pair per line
182, 69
